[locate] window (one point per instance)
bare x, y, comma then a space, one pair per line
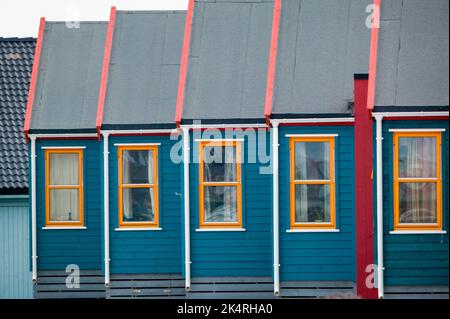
312, 188
64, 187
138, 186
417, 181
220, 184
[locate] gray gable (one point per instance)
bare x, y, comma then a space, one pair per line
322, 43
228, 59
69, 75
413, 60
16, 62
144, 68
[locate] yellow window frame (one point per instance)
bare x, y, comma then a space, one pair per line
331, 182
237, 184
79, 187
154, 186
437, 180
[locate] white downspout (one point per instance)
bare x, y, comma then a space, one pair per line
33, 210
379, 141
106, 205
187, 246
276, 239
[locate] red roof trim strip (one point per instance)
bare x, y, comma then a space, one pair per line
105, 69
373, 54
184, 62
272, 58
34, 74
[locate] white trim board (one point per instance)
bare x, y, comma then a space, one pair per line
63, 147
311, 135
137, 144
418, 130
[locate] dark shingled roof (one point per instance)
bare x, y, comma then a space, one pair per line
144, 69
228, 60
68, 80
16, 60
413, 60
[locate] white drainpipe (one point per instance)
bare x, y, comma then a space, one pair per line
187, 246
106, 204
276, 239
379, 165
33, 210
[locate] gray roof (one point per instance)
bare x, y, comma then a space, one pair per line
16, 61
322, 44
413, 67
69, 75
144, 69
229, 53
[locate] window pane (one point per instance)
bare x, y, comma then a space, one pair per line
220, 204
312, 203
417, 156
312, 160
418, 203
64, 205
63, 169
138, 204
219, 164
137, 167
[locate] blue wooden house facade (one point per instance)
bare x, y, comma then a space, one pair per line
233, 151
16, 61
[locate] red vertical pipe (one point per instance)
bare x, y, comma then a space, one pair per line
105, 69
363, 188
34, 74
373, 54
272, 59
184, 62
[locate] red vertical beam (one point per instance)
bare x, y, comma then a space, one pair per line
184, 62
105, 69
272, 59
364, 188
34, 74
373, 54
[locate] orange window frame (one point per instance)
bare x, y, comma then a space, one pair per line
237, 184
154, 186
79, 187
437, 180
331, 182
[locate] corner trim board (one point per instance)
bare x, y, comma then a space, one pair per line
272, 58
184, 62
105, 70
34, 75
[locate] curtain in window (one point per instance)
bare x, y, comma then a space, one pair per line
312, 201
417, 159
220, 202
63, 172
137, 168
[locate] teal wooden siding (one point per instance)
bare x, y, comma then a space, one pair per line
228, 254
15, 274
320, 256
413, 259
148, 252
57, 248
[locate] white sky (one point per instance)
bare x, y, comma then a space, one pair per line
20, 18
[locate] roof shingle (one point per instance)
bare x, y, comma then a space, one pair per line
16, 60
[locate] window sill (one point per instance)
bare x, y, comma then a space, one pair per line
321, 230
65, 227
417, 232
138, 228
219, 229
